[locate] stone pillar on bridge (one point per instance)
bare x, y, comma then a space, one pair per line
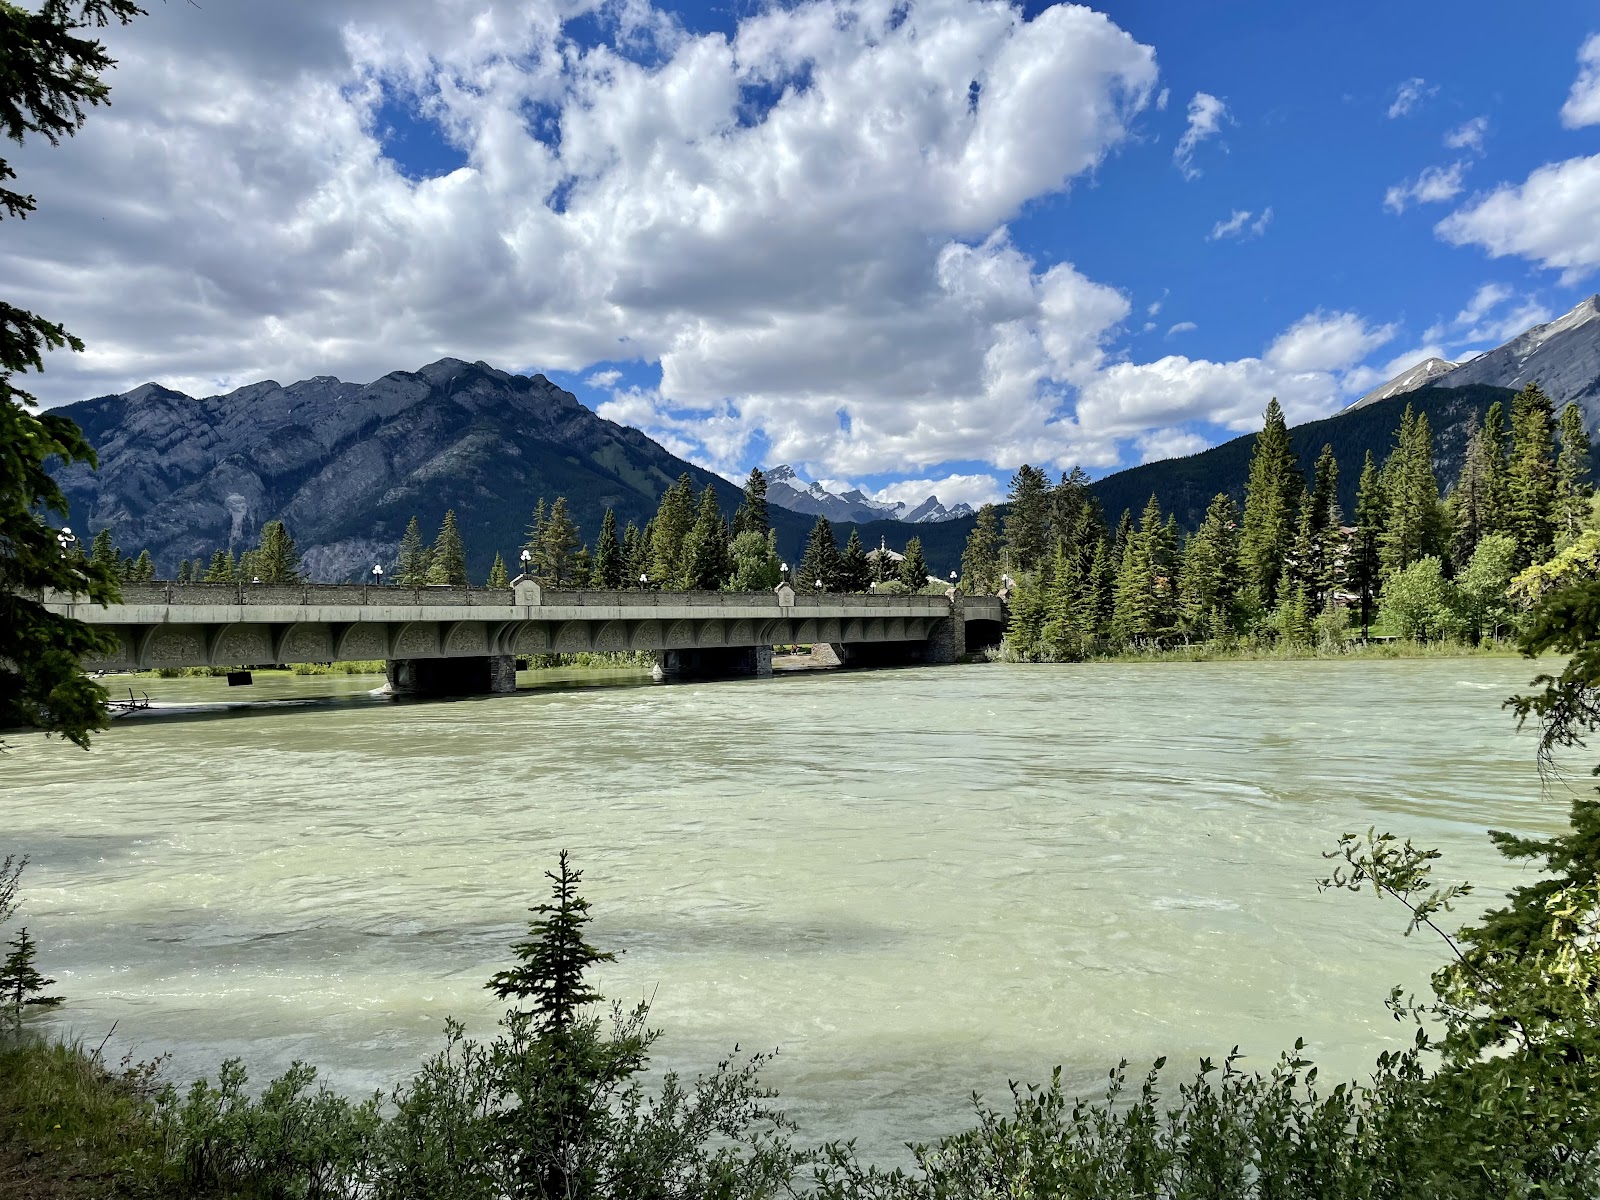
713, 662
486, 674
947, 640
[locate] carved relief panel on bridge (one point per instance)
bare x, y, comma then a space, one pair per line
534, 639
713, 633
741, 633
417, 640
242, 646
467, 638
647, 635
307, 643
680, 635
363, 642
174, 645
118, 652
572, 638
612, 637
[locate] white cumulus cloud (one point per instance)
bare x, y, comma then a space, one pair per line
1469, 135
1206, 115
1553, 219
1434, 186
1583, 102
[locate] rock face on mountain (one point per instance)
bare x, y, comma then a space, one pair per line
346, 466
1424, 373
787, 490
1562, 356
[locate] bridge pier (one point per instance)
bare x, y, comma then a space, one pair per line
711, 662
451, 676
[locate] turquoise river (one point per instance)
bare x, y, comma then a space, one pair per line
912, 883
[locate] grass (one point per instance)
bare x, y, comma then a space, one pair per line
1246, 651
70, 1127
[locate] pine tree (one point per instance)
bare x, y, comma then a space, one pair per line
447, 562
497, 573
558, 548
144, 568
221, 569
1028, 519
21, 984
1531, 476
1269, 517
752, 512
707, 562
980, 561
914, 567
820, 560
408, 567
533, 543
634, 559
1209, 581
1365, 568
855, 570
673, 520
277, 560
610, 567
1469, 501
1415, 525
1065, 634
104, 552
185, 571
1069, 502
1497, 486
1573, 485
1133, 609
1120, 540
1317, 537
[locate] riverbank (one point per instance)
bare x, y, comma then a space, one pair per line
71, 1129
1398, 648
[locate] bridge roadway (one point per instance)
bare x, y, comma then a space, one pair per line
466, 639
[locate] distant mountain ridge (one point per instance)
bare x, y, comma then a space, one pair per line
346, 465
1562, 355
786, 489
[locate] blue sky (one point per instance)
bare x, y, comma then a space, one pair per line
905, 248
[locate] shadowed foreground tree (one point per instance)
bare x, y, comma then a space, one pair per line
48, 72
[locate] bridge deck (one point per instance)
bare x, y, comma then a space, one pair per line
176, 625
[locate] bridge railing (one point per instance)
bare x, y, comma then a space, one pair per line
356, 593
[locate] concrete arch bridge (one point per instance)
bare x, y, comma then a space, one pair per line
459, 640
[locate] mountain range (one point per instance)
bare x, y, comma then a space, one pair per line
788, 490
346, 465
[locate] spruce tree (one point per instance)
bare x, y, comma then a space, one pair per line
533, 542
610, 567
1269, 517
1469, 501
1415, 526
820, 560
914, 567
1531, 476
1069, 502
1365, 568
673, 520
185, 571
980, 561
633, 559
144, 568
751, 515
21, 984
1496, 487
1133, 610
1317, 537
1209, 580
1573, 484
277, 560
1065, 633
104, 552
707, 562
497, 573
1120, 540
558, 548
221, 569
447, 563
1028, 519
855, 570
408, 568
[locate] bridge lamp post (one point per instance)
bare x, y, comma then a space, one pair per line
644, 581
952, 579
377, 574
65, 539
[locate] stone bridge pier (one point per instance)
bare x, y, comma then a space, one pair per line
946, 642
712, 662
450, 676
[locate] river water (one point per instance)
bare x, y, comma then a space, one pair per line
913, 883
